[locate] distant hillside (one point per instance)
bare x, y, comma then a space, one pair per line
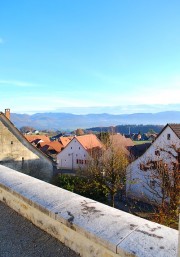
71, 121
126, 129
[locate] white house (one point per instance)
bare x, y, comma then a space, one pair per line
77, 152
141, 184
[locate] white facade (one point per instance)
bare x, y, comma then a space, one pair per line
139, 183
73, 156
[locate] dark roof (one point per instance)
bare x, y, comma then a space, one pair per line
176, 128
138, 150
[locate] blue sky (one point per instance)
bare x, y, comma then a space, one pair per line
89, 53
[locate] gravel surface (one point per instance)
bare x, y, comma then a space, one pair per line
20, 238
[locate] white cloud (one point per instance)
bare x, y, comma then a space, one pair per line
16, 83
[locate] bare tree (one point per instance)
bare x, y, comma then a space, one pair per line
162, 181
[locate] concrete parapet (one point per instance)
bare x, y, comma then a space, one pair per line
86, 226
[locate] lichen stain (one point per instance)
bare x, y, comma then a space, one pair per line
146, 233
132, 226
70, 221
88, 209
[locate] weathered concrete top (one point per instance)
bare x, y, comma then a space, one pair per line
116, 230
19, 237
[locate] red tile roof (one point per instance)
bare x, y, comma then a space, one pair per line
65, 140
55, 145
32, 138
89, 141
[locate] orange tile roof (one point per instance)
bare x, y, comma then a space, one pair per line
55, 145
32, 138
65, 140
89, 141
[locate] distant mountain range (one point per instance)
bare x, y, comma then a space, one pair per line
68, 121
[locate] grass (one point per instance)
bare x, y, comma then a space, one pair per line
141, 142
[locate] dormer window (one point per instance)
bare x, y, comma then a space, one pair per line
168, 136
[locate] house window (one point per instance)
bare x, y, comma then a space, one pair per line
152, 183
11, 142
79, 161
168, 136
79, 148
157, 152
22, 162
71, 147
141, 166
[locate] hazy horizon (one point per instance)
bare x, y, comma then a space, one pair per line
115, 110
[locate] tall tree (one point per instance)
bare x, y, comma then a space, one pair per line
108, 169
79, 132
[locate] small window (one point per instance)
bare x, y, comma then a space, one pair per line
22, 162
11, 142
71, 147
157, 152
77, 161
152, 183
168, 136
141, 166
79, 148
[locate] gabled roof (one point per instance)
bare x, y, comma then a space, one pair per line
176, 128
89, 141
138, 150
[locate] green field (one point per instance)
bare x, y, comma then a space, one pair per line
141, 142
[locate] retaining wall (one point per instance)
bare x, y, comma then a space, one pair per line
86, 226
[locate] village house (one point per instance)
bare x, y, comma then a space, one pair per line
77, 152
141, 183
18, 153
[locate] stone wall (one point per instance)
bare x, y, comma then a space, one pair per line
89, 228
17, 153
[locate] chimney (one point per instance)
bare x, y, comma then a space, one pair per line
7, 113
